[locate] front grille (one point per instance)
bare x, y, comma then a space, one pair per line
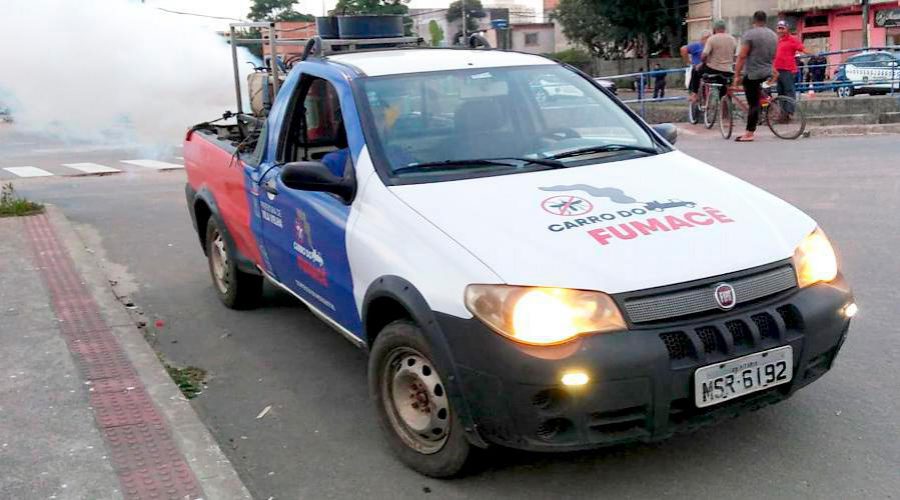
709, 335
700, 299
791, 317
768, 328
678, 344
738, 332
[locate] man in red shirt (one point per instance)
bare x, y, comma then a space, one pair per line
785, 62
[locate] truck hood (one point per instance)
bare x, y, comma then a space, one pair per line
614, 227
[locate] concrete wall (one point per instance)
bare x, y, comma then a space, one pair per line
422, 17
798, 5
546, 42
737, 14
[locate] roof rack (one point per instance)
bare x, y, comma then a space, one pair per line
323, 47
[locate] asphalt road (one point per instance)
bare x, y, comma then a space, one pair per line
839, 438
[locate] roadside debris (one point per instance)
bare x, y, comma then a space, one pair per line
264, 412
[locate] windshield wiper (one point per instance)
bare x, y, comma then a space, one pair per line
478, 162
603, 149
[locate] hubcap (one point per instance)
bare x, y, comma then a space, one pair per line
416, 401
219, 257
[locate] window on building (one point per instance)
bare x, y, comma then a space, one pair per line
815, 21
531, 38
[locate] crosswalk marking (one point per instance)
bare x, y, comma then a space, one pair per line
92, 168
28, 171
154, 164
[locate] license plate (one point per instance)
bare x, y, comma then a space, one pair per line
731, 379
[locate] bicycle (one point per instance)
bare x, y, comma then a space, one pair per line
783, 124
706, 104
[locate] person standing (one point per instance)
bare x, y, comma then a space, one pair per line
659, 82
754, 66
692, 54
786, 63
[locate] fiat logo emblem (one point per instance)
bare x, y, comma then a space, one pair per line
725, 297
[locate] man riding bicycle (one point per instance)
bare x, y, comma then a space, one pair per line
717, 57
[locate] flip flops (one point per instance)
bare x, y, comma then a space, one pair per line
741, 138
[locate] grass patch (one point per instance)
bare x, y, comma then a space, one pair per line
189, 379
13, 206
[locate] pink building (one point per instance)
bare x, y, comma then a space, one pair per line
839, 25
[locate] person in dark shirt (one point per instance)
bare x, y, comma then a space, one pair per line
659, 82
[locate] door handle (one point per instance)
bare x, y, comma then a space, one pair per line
271, 187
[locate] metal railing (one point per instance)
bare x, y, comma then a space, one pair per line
887, 81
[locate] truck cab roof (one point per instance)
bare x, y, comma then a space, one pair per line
394, 61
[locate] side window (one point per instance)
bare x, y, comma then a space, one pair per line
884, 60
863, 61
314, 125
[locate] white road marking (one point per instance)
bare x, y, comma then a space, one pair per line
154, 164
92, 168
28, 171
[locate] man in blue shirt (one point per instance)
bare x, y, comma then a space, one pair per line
692, 54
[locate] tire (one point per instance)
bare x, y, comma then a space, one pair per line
693, 113
711, 108
780, 123
726, 117
236, 289
400, 355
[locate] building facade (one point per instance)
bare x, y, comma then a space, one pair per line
832, 25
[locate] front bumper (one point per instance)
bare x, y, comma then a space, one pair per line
641, 386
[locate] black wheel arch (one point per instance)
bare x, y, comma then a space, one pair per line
390, 298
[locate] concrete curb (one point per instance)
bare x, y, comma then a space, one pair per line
852, 130
212, 468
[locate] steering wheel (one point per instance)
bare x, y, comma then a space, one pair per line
558, 134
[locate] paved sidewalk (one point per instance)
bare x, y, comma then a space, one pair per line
86, 410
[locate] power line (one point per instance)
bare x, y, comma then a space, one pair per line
199, 15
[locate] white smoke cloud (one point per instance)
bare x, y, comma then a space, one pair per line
111, 69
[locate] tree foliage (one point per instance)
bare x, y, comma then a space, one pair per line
436, 33
276, 10
474, 11
610, 28
371, 7
377, 7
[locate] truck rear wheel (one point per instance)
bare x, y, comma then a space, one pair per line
412, 404
236, 289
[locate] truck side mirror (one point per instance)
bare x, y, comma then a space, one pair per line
315, 176
668, 132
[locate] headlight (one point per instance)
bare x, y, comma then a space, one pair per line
814, 259
543, 316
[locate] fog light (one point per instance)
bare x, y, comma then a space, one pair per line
851, 310
575, 378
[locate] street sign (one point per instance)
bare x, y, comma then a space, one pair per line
500, 24
887, 18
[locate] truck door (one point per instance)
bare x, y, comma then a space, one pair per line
306, 247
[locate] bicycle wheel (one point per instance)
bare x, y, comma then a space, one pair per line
785, 118
693, 112
726, 117
712, 108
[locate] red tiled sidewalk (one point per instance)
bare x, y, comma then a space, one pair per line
142, 449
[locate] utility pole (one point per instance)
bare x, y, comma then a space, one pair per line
463, 9
865, 23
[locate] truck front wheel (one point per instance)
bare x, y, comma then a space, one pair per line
413, 407
236, 289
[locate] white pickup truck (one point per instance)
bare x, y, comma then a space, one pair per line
540, 274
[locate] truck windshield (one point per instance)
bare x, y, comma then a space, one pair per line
450, 122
